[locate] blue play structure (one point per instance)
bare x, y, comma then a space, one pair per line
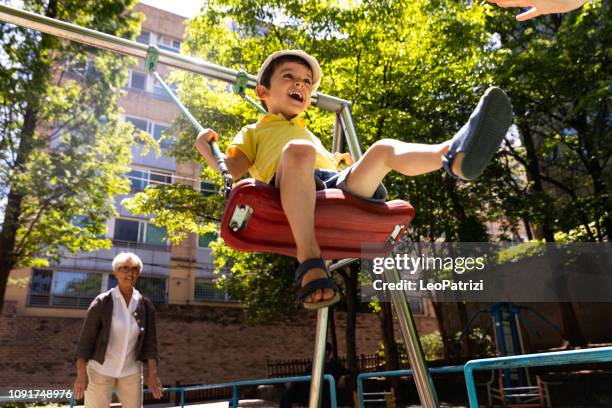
598, 355
506, 319
397, 373
236, 384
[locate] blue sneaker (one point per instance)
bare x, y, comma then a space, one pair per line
481, 136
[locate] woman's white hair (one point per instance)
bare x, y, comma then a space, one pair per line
124, 257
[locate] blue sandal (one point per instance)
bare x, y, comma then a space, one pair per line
311, 287
482, 135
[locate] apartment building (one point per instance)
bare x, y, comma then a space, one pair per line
172, 274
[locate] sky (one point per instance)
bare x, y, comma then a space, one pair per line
185, 8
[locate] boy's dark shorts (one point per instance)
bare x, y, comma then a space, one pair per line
334, 179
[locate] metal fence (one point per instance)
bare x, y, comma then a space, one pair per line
299, 366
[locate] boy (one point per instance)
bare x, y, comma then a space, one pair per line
278, 149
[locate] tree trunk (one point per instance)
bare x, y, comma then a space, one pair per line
351, 324
10, 225
533, 174
448, 350
571, 326
570, 323
332, 333
37, 85
467, 347
600, 191
391, 355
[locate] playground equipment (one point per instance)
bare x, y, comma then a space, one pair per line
513, 386
343, 126
236, 384
599, 355
396, 373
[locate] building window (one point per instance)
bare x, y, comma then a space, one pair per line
160, 91
144, 37
168, 44
154, 128
208, 189
127, 230
153, 287
416, 305
158, 131
155, 235
139, 232
206, 289
63, 289
140, 179
41, 282
138, 81
139, 124
160, 178
204, 240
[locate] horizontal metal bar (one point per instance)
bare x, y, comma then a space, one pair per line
264, 381
399, 373
598, 355
123, 46
602, 354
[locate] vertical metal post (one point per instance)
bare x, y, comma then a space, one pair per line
235, 396
348, 127
360, 391
318, 360
337, 138
182, 397
332, 390
519, 333
422, 377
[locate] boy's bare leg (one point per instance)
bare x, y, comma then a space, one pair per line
410, 159
294, 177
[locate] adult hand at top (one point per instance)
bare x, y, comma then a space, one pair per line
540, 7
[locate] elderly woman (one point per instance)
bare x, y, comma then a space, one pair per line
118, 336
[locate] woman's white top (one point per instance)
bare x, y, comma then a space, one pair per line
120, 359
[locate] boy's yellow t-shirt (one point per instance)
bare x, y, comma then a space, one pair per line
263, 142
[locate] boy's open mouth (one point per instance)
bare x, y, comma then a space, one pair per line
296, 95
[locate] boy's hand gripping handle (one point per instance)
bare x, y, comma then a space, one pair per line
211, 138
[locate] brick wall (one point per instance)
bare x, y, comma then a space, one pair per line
197, 344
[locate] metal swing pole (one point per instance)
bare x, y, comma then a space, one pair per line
123, 46
422, 376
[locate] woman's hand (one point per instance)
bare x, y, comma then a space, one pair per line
154, 385
540, 7
80, 385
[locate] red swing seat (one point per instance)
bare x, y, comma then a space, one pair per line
254, 221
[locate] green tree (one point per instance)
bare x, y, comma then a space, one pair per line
417, 82
63, 149
557, 71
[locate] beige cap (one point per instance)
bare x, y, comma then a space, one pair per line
312, 61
